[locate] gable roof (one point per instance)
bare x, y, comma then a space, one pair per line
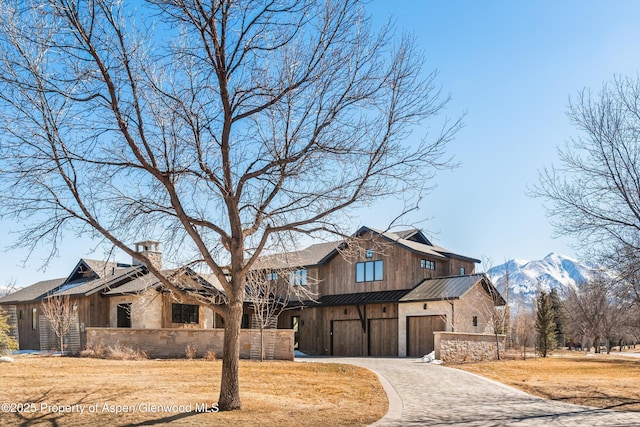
313, 255
113, 280
415, 241
412, 239
33, 292
453, 287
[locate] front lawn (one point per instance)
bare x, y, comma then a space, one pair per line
602, 381
114, 392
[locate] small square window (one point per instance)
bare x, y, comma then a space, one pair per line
272, 276
461, 271
368, 253
298, 277
475, 320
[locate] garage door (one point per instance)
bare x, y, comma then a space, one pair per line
383, 337
420, 334
347, 338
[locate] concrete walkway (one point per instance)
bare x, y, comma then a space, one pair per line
421, 394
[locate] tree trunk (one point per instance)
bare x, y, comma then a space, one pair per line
229, 388
261, 342
62, 344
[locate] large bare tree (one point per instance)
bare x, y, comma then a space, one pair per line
594, 193
217, 126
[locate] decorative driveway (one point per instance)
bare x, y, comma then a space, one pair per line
422, 394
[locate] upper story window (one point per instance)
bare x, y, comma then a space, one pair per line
369, 271
298, 277
368, 253
272, 276
461, 271
427, 264
185, 313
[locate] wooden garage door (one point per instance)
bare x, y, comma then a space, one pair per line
383, 337
420, 334
348, 338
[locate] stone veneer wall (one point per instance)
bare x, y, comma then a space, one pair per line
171, 343
459, 347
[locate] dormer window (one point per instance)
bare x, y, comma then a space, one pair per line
368, 253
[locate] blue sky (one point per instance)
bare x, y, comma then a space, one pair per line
511, 66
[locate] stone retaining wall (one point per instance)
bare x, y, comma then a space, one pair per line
457, 347
171, 343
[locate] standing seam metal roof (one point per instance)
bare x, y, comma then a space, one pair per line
442, 288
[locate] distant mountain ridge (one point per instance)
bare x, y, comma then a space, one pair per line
554, 271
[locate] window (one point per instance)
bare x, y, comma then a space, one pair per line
368, 253
461, 271
123, 315
272, 276
185, 313
246, 321
427, 264
369, 271
20, 315
475, 320
298, 277
295, 325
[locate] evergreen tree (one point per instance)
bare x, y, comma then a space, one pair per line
545, 325
7, 342
558, 316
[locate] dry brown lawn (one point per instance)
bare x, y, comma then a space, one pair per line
604, 381
272, 393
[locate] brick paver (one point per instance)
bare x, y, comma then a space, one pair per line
431, 395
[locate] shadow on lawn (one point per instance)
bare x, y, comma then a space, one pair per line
49, 399
604, 401
165, 420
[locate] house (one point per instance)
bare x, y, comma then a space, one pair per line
385, 294
379, 293
107, 294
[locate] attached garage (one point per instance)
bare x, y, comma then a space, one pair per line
347, 338
420, 331
383, 337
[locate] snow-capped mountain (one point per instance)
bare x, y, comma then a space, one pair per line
554, 271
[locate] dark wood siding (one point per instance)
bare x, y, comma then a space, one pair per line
314, 328
93, 311
383, 337
29, 336
348, 338
420, 331
401, 268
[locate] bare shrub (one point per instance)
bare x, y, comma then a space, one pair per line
191, 351
210, 356
97, 351
123, 352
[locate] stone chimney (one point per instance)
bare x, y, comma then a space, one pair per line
150, 249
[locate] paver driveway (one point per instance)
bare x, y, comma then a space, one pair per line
432, 395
